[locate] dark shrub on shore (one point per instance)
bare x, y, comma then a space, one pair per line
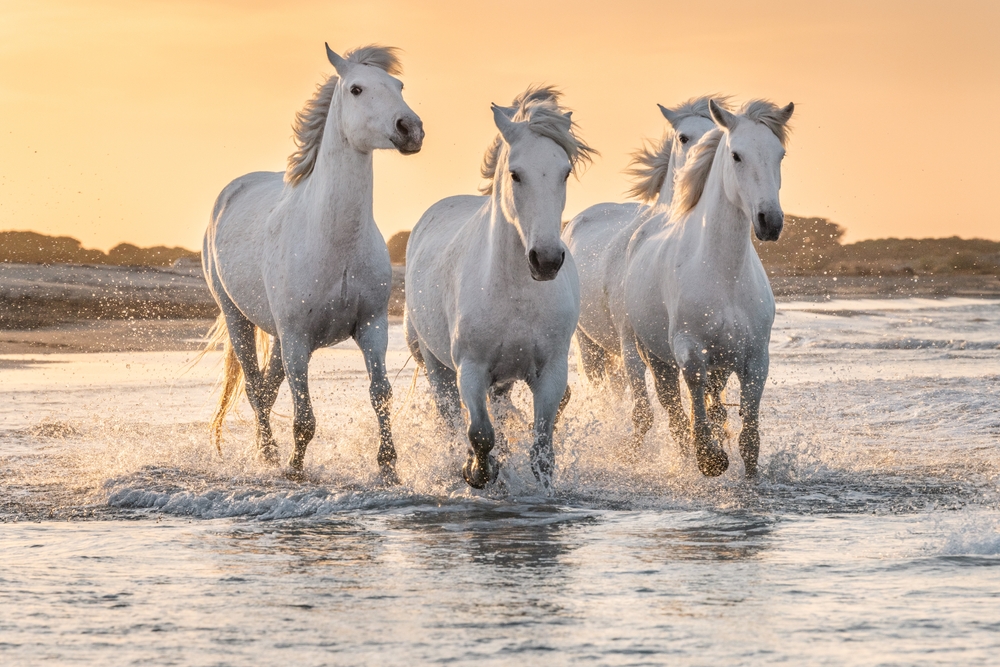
35, 248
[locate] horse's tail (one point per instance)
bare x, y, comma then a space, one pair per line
232, 381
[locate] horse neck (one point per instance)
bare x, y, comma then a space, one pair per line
507, 254
340, 186
667, 189
724, 227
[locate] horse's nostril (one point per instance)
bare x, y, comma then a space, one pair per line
762, 219
533, 258
402, 128
562, 258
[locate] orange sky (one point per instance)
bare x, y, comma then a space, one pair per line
122, 120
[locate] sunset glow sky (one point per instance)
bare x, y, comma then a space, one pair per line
122, 120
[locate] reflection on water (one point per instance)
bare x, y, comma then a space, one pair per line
871, 537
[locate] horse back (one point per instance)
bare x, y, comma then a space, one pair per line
237, 239
598, 239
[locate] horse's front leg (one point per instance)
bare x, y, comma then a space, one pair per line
752, 378
712, 459
550, 393
481, 467
295, 355
635, 372
373, 339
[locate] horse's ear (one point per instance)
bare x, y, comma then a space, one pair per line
568, 116
785, 113
334, 59
508, 128
671, 116
723, 118
506, 111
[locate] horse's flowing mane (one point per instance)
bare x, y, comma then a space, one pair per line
650, 164
691, 180
770, 115
649, 167
539, 106
311, 120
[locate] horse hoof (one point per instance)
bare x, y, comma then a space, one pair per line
542, 469
269, 454
295, 468
712, 462
474, 474
387, 473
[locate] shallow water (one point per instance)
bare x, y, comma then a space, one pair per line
872, 537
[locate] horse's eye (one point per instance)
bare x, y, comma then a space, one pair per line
516, 177
355, 90
737, 158
684, 138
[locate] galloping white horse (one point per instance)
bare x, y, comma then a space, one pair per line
598, 238
298, 256
491, 293
697, 297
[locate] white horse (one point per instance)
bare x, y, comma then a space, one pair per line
598, 239
298, 257
491, 293
697, 296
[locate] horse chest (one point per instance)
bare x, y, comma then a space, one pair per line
514, 337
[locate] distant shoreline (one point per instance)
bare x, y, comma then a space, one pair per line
68, 308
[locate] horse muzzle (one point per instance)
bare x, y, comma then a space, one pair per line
768, 225
409, 136
545, 264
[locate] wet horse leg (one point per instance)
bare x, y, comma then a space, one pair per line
550, 393
666, 379
373, 339
473, 383
444, 384
593, 358
716, 408
242, 335
635, 372
274, 375
712, 459
295, 355
753, 378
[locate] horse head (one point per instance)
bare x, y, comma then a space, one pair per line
533, 191
751, 151
373, 114
690, 121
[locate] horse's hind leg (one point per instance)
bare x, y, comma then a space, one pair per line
712, 459
666, 379
274, 374
481, 467
373, 339
444, 384
593, 358
752, 382
242, 335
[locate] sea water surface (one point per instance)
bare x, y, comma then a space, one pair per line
871, 537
